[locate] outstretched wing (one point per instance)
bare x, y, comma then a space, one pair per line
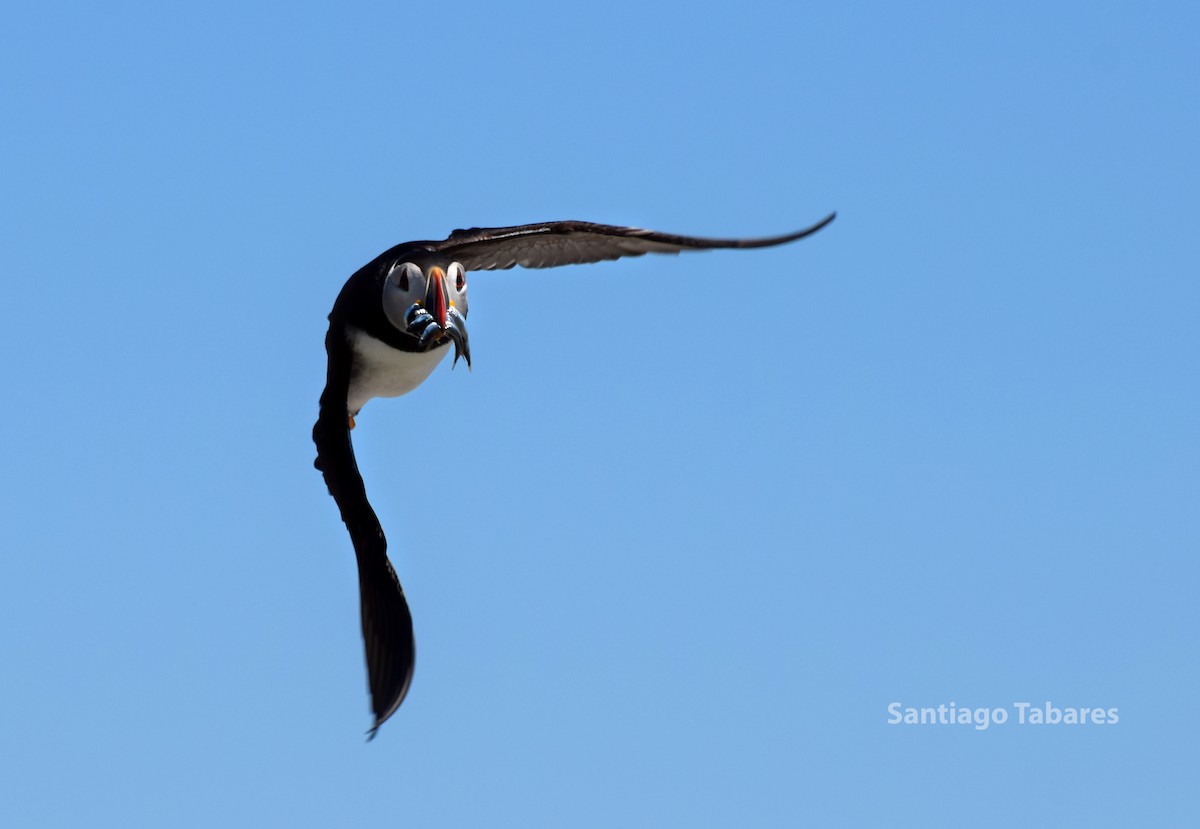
550, 244
386, 621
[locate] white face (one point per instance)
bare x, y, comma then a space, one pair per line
408, 285
456, 287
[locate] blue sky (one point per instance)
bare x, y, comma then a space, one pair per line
701, 519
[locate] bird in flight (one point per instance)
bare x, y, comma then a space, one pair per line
393, 322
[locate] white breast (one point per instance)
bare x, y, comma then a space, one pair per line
383, 371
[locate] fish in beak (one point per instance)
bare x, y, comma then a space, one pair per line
447, 317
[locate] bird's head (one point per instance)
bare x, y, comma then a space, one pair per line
426, 296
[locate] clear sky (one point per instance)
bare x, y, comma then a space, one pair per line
694, 522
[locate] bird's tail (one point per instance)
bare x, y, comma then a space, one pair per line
387, 636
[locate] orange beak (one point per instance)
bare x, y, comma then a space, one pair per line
435, 295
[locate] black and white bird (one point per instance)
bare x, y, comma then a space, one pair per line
393, 322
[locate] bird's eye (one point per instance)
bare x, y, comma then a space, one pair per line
461, 281
402, 275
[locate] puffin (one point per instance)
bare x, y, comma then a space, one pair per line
394, 321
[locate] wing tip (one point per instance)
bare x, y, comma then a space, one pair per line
811, 229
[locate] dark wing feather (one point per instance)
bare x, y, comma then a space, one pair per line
550, 244
386, 621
